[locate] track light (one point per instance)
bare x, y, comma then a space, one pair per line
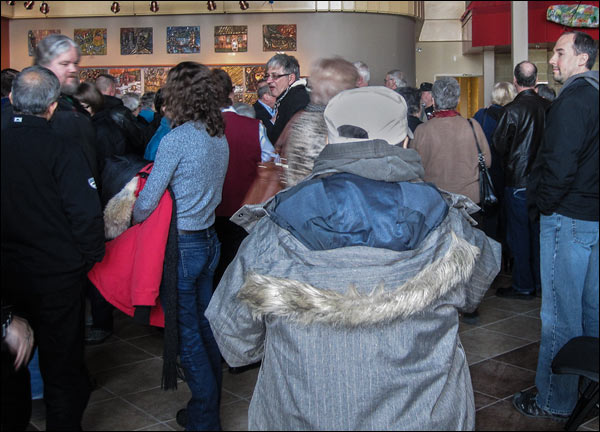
115, 7
244, 5
211, 5
154, 6
11, 3
44, 8
29, 5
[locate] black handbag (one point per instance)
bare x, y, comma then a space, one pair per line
487, 194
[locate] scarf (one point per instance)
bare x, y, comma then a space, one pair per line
445, 113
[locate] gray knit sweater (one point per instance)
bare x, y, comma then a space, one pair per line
194, 164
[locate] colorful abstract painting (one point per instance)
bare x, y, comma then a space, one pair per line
129, 80
279, 37
136, 40
254, 74
155, 78
183, 40
231, 38
250, 98
91, 41
34, 36
90, 74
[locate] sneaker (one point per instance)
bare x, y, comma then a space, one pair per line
181, 417
526, 404
95, 336
510, 292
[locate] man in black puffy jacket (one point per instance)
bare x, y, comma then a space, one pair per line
516, 140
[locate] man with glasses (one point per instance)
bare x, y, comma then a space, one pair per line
283, 78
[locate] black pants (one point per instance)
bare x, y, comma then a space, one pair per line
231, 237
54, 307
102, 311
16, 394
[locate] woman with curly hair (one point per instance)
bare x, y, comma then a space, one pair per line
192, 159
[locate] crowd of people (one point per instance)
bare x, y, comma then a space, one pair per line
346, 288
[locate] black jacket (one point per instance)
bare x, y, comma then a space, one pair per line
290, 103
131, 128
564, 178
51, 217
519, 134
110, 139
263, 115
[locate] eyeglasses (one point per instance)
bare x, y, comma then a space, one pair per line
275, 76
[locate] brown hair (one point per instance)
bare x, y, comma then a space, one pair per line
88, 93
223, 81
330, 76
189, 95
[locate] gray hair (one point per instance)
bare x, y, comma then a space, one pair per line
445, 92
34, 90
106, 83
52, 46
263, 90
398, 76
289, 64
244, 109
131, 101
330, 76
363, 70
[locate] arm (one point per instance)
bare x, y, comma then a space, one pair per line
504, 134
19, 340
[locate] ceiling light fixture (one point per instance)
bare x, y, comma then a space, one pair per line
44, 8
115, 7
244, 5
154, 6
28, 5
11, 3
211, 5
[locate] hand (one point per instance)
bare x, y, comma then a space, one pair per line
19, 339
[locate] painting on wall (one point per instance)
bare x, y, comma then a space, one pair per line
254, 74
91, 41
231, 38
279, 37
155, 78
129, 80
90, 74
34, 36
183, 40
136, 40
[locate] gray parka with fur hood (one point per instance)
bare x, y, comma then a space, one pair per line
355, 338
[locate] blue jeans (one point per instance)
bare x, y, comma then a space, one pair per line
198, 350
569, 264
523, 240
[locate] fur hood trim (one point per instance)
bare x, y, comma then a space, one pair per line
118, 211
306, 304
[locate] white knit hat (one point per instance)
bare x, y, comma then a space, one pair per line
367, 113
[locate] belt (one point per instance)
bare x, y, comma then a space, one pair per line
189, 232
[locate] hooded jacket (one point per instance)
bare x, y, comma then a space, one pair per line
353, 336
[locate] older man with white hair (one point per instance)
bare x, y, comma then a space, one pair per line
352, 298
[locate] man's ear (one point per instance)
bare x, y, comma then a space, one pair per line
292, 78
51, 109
582, 59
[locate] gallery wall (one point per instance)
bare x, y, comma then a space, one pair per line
384, 42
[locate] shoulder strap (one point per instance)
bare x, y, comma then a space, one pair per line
475, 135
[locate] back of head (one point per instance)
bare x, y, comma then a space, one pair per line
8, 75
34, 90
525, 74
583, 43
51, 47
330, 76
412, 96
189, 95
289, 64
367, 113
363, 70
446, 93
546, 92
107, 84
503, 93
263, 89
224, 87
398, 76
88, 94
131, 101
244, 109
147, 100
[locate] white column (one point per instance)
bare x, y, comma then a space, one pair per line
519, 31
489, 77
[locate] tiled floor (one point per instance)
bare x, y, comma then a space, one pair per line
502, 351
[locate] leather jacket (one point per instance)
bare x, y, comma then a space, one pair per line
519, 134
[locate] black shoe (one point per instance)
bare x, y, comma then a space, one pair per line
525, 403
470, 317
510, 292
95, 336
181, 417
242, 369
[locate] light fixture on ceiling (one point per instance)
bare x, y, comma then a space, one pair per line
211, 5
11, 3
44, 8
244, 5
28, 5
115, 7
154, 6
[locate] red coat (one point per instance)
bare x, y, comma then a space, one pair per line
132, 268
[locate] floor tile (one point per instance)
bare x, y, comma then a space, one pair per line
482, 400
125, 327
241, 384
520, 326
161, 404
534, 313
114, 415
488, 344
234, 417
591, 424
525, 357
131, 378
489, 314
502, 416
173, 425
110, 355
500, 380
31, 427
152, 343
473, 358
513, 305
100, 394
157, 427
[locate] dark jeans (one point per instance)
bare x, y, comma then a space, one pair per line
523, 239
198, 350
54, 306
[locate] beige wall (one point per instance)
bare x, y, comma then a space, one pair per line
445, 58
384, 42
